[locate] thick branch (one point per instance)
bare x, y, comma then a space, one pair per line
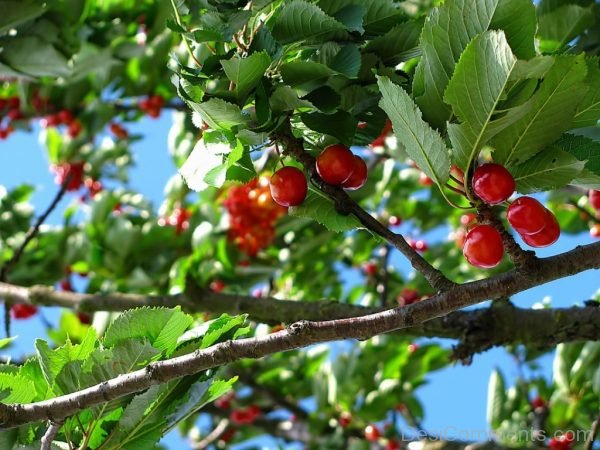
295, 147
302, 334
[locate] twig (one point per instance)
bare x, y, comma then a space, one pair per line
384, 276
50, 435
302, 334
589, 443
29, 236
345, 205
211, 437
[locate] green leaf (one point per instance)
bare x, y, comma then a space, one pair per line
34, 56
300, 20
308, 75
352, 17
161, 326
582, 148
5, 342
347, 61
495, 400
285, 98
588, 111
16, 13
565, 356
552, 110
475, 90
321, 209
340, 124
219, 114
447, 32
52, 361
559, 27
552, 168
246, 73
398, 44
423, 144
21, 390
222, 329
199, 169
535, 68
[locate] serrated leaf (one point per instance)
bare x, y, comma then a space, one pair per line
206, 157
534, 68
220, 329
340, 124
300, 20
16, 13
347, 61
5, 342
423, 144
561, 25
398, 44
588, 111
380, 16
322, 210
16, 389
36, 57
219, 114
475, 90
352, 17
552, 168
495, 399
582, 148
161, 326
308, 75
285, 98
552, 110
447, 32
246, 73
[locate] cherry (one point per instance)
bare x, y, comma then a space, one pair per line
224, 402
74, 129
370, 268
22, 311
345, 419
563, 442
65, 116
419, 245
412, 348
392, 445
594, 196
14, 114
335, 164
217, 286
94, 186
595, 231
372, 433
64, 170
424, 180
457, 173
227, 435
65, 285
84, 318
526, 215
245, 416
51, 120
547, 236
4, 133
379, 141
394, 221
467, 219
538, 402
359, 175
288, 186
483, 247
493, 183
13, 102
118, 131
408, 296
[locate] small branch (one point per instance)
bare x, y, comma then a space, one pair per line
589, 443
210, 438
345, 205
302, 334
50, 435
384, 276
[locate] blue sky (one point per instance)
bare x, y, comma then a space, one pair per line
454, 399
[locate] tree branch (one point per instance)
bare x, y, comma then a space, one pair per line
50, 435
304, 333
345, 205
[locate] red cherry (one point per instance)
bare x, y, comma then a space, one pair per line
394, 221
62, 171
22, 311
65, 116
359, 175
424, 180
493, 183
538, 402
13, 102
457, 173
595, 199
50, 120
408, 296
288, 186
526, 215
379, 141
547, 236
335, 164
420, 245
84, 318
412, 348
4, 133
217, 286
483, 247
370, 268
595, 231
65, 285
392, 445
118, 131
74, 129
467, 219
94, 186
372, 433
14, 114
345, 419
4, 103
156, 101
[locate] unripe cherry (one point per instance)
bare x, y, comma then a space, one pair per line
359, 175
288, 186
483, 247
493, 183
526, 215
547, 236
335, 164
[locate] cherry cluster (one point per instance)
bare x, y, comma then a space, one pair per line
252, 214
536, 224
66, 118
10, 108
152, 105
179, 218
